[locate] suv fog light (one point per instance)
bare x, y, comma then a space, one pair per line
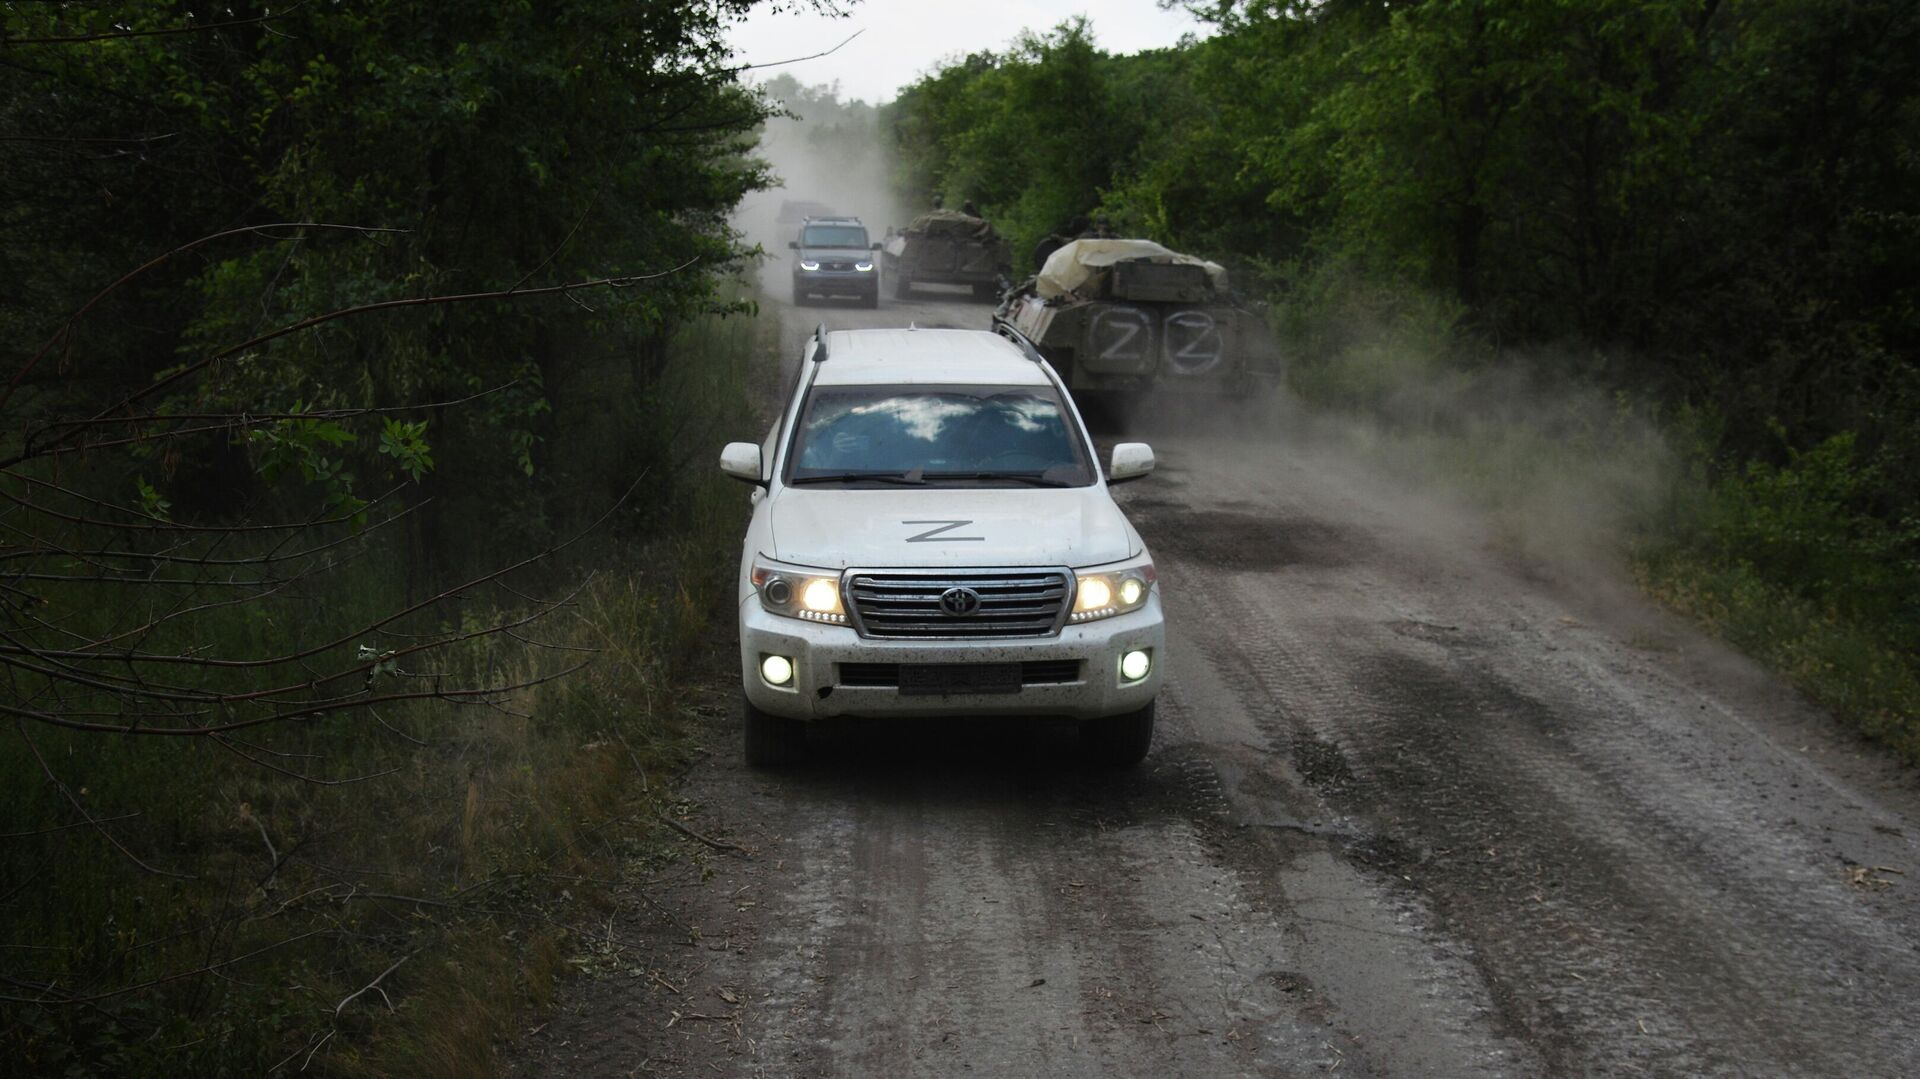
1135, 665
778, 670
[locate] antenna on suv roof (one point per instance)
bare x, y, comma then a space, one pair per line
820, 338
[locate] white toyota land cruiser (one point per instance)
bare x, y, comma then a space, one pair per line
931, 536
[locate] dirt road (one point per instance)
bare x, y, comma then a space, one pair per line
1415, 808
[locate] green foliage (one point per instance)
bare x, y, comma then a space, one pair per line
1032, 136
1807, 526
500, 146
150, 502
406, 443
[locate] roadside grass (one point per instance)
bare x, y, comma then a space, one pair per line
1783, 561
471, 865
1786, 562
1850, 668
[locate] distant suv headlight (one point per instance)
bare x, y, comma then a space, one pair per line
798, 592
863, 267
809, 266
1106, 591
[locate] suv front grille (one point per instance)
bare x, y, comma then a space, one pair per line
908, 604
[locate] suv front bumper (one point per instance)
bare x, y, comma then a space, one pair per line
821, 654
836, 283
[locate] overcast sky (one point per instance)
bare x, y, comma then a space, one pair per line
905, 39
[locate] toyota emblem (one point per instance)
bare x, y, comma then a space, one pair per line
960, 602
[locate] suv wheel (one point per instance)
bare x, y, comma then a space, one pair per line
1119, 741
771, 740
872, 299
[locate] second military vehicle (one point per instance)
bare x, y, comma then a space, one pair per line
1131, 316
946, 247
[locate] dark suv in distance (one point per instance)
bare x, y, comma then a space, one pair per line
835, 259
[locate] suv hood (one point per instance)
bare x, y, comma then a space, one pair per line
902, 527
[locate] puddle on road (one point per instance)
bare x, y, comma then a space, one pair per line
1322, 764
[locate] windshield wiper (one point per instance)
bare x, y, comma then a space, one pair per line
909, 479
1035, 479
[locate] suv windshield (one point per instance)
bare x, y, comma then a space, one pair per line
1003, 436
833, 236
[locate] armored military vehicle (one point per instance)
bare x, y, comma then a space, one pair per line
947, 247
1131, 316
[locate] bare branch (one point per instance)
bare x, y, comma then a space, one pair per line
74, 319
50, 998
118, 35
28, 451
67, 827
135, 140
794, 60
373, 985
98, 825
60, 720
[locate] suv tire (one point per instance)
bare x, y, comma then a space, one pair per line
771, 740
1119, 741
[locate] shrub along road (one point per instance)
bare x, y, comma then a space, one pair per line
1415, 808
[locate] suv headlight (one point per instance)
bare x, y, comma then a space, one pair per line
809, 266
1106, 591
798, 592
863, 267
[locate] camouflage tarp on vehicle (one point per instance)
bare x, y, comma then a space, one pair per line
1081, 267
952, 224
1131, 316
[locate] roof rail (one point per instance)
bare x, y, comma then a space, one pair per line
1007, 331
820, 338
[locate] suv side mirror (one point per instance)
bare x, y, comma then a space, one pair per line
1131, 460
793, 245
876, 247
741, 460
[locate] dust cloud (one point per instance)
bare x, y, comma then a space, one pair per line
1512, 453
828, 157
